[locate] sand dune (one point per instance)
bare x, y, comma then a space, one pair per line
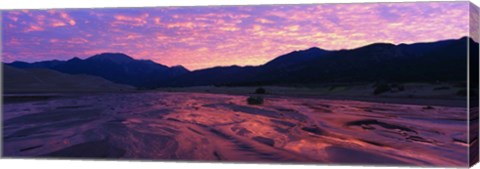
217, 127
45, 80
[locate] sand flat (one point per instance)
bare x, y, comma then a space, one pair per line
220, 127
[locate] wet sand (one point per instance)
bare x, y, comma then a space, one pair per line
416, 94
219, 127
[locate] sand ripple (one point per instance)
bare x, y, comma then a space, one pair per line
213, 127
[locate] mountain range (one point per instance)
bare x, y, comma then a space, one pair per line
116, 67
419, 62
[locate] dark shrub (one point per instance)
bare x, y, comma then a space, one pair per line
260, 90
428, 107
255, 100
381, 88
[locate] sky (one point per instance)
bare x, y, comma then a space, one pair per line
208, 36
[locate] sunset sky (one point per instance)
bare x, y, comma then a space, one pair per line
201, 37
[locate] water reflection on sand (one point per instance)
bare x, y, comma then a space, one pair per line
194, 126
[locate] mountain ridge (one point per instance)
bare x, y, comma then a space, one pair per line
370, 63
116, 67
373, 62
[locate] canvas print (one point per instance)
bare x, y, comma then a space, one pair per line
357, 84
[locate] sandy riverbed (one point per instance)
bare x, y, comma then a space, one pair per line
219, 127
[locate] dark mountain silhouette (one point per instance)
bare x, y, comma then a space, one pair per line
420, 62
214, 76
233, 75
294, 58
115, 67
379, 62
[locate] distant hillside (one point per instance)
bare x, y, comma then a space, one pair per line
419, 62
116, 67
45, 80
239, 75
441, 61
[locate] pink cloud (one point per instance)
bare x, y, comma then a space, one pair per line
215, 36
33, 28
58, 24
131, 20
263, 20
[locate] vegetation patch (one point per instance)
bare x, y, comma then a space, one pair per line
255, 100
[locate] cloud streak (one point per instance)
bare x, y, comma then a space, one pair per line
200, 37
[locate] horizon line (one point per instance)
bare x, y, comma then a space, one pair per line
232, 65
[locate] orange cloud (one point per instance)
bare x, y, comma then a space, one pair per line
263, 20
157, 21
131, 20
257, 27
161, 37
188, 25
67, 18
58, 24
229, 28
72, 22
33, 28
293, 28
203, 49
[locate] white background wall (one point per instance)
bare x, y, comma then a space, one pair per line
85, 164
